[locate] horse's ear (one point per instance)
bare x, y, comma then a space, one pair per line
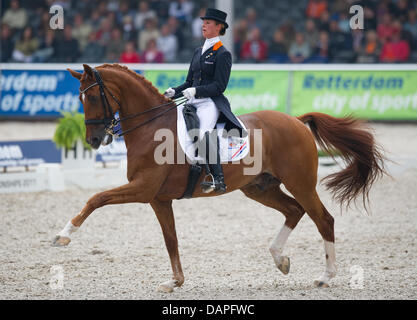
75, 74
88, 70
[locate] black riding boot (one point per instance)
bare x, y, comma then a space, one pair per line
215, 170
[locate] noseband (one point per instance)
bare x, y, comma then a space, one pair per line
110, 121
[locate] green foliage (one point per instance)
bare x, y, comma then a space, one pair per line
70, 128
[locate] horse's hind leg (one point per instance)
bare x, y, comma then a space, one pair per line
325, 224
272, 196
165, 215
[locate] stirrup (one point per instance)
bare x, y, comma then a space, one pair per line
208, 186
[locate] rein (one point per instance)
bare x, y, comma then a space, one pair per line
111, 122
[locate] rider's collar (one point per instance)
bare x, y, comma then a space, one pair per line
209, 43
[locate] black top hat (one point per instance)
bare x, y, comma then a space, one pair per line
218, 15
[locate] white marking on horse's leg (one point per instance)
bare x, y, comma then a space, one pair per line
63, 237
331, 270
276, 248
68, 230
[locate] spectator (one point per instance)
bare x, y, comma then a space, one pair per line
67, 49
104, 32
341, 43
43, 26
288, 29
324, 22
300, 49
150, 32
129, 32
251, 19
15, 17
402, 10
278, 49
151, 53
357, 39
176, 30
395, 49
411, 24
93, 52
311, 33
115, 47
369, 53
182, 10
322, 50
81, 30
344, 22
197, 24
254, 49
25, 47
144, 13
240, 32
167, 43
46, 49
315, 8
385, 28
7, 44
130, 55
369, 19
122, 12
95, 20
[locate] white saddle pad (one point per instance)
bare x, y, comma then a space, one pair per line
231, 148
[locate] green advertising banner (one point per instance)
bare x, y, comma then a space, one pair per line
247, 91
378, 95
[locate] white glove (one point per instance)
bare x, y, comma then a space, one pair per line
169, 93
189, 93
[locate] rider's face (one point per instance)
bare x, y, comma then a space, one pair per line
210, 28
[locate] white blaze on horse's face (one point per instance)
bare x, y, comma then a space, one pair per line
83, 97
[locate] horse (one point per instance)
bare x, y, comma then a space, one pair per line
289, 158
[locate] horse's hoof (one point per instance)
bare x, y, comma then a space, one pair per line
167, 287
283, 264
60, 241
321, 284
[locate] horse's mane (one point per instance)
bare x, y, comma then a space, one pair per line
135, 75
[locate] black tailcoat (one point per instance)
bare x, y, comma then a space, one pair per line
209, 74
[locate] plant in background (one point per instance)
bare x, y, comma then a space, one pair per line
70, 128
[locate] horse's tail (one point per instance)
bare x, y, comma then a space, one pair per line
356, 145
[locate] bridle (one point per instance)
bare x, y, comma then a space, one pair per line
110, 120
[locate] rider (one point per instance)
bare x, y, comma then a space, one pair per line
206, 81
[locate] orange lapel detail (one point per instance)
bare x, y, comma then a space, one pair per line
217, 46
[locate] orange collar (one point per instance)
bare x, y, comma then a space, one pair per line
217, 46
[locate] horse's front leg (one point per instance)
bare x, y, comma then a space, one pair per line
165, 215
130, 192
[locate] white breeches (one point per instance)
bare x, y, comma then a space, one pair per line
207, 112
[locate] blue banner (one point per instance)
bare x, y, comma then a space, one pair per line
35, 152
38, 93
28, 153
29, 94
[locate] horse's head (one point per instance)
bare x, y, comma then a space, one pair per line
99, 96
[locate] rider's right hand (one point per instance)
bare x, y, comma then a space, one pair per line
169, 93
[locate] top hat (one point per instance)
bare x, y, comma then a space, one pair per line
218, 15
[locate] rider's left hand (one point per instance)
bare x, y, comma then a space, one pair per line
189, 93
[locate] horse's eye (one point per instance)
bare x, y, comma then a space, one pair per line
92, 99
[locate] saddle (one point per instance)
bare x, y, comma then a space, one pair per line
232, 148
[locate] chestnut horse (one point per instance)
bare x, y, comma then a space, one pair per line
289, 157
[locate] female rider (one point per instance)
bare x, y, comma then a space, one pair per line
206, 81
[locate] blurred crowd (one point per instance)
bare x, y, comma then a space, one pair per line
159, 31
389, 34
99, 31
